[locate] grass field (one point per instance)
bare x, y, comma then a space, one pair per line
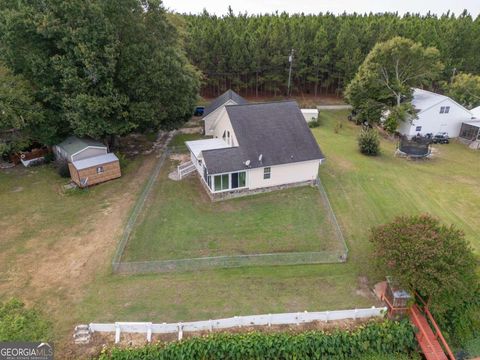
180, 221
57, 248
369, 191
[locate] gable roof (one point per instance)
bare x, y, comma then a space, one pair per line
222, 99
73, 144
476, 112
424, 100
277, 131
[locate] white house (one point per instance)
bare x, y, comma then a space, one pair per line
476, 112
436, 113
310, 114
214, 109
256, 146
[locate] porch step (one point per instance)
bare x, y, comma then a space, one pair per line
82, 334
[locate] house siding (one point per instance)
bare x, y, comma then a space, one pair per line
223, 125
432, 121
111, 171
211, 118
283, 174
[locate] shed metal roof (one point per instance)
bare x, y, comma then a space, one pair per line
95, 161
73, 144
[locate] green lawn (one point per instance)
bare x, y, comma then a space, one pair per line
364, 192
180, 221
369, 191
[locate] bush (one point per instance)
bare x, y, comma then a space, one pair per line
383, 338
62, 168
314, 123
338, 127
369, 142
123, 161
17, 323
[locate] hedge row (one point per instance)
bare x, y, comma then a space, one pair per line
385, 337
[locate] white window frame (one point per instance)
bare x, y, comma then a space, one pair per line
100, 169
269, 173
212, 177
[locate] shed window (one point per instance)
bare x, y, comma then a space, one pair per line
267, 172
100, 170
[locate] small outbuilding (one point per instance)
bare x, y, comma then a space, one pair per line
310, 114
88, 160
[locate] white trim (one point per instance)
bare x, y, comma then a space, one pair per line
88, 147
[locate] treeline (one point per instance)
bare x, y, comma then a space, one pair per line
96, 68
249, 53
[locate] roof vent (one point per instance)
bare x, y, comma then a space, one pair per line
260, 157
247, 163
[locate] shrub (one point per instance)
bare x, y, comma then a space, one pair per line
123, 161
18, 323
62, 168
436, 261
383, 338
314, 123
369, 142
338, 127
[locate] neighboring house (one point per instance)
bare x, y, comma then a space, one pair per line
436, 113
257, 146
214, 109
476, 112
310, 114
88, 160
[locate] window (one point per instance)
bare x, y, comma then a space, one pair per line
221, 182
418, 128
238, 180
209, 181
266, 173
241, 179
100, 170
447, 109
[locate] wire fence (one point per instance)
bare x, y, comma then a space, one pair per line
337, 255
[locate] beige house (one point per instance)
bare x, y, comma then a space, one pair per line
214, 109
255, 147
88, 160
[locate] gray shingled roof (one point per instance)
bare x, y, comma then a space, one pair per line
277, 131
73, 144
222, 99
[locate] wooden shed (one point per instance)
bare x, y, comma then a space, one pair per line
95, 170
88, 160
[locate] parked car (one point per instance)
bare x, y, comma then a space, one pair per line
441, 138
199, 110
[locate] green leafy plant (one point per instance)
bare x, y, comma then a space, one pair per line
383, 338
369, 142
19, 323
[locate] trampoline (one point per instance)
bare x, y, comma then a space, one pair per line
417, 147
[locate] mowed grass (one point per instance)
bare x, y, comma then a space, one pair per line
368, 191
364, 192
180, 221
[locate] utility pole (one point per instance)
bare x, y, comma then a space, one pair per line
454, 71
290, 60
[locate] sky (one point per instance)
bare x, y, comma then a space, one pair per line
220, 7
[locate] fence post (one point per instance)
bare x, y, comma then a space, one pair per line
355, 314
180, 331
117, 333
210, 324
269, 319
149, 332
328, 312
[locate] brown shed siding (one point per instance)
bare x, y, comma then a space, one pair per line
110, 171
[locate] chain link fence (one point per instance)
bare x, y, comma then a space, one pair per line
337, 255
